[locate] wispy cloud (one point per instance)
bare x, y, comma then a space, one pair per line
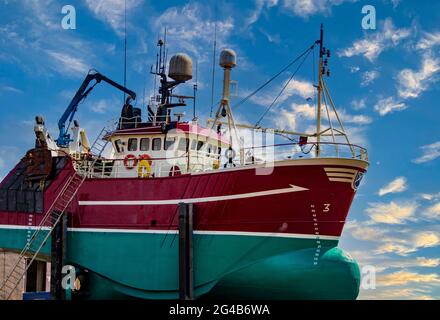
397, 185
66, 63
429, 41
433, 212
392, 212
430, 152
403, 247
7, 88
404, 277
190, 28
112, 12
373, 45
412, 83
389, 105
307, 8
368, 77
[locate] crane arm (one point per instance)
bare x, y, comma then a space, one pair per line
82, 93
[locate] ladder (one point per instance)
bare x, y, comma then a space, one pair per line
50, 220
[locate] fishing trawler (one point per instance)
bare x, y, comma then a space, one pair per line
266, 218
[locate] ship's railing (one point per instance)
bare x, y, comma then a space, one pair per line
202, 161
194, 161
287, 151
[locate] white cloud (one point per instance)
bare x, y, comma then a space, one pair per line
396, 248
112, 12
429, 41
354, 69
403, 247
412, 83
189, 29
397, 185
295, 88
359, 104
391, 213
426, 239
430, 153
65, 63
389, 105
288, 118
372, 46
433, 212
306, 8
260, 5
404, 277
367, 233
368, 77
7, 88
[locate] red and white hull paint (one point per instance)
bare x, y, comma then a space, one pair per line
300, 197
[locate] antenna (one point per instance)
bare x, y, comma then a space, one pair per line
195, 90
318, 113
125, 46
213, 62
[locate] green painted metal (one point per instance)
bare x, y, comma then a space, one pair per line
145, 265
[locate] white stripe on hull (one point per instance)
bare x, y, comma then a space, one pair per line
200, 232
292, 188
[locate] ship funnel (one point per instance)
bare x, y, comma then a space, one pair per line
228, 59
180, 67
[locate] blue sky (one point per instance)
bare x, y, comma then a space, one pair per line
384, 82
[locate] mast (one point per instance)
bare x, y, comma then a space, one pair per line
320, 74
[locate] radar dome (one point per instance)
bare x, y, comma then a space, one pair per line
180, 67
228, 58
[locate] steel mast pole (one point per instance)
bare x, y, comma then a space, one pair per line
318, 114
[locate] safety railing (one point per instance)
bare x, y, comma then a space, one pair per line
202, 161
289, 151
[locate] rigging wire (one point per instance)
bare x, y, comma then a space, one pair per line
274, 77
283, 89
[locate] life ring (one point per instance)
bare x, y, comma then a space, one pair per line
146, 157
144, 168
130, 161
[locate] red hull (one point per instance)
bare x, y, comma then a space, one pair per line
320, 209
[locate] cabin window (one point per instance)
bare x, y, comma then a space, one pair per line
157, 144
118, 145
183, 144
219, 150
200, 145
209, 149
132, 144
169, 143
193, 144
214, 150
145, 144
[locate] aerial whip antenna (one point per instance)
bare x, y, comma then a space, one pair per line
213, 62
125, 46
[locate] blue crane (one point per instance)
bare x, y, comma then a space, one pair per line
64, 137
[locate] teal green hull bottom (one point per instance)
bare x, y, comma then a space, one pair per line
138, 265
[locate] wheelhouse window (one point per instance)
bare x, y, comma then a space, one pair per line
169, 143
183, 144
118, 146
145, 144
193, 144
157, 144
132, 144
200, 145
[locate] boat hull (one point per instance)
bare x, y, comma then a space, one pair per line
275, 234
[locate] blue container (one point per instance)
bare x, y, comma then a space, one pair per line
37, 296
